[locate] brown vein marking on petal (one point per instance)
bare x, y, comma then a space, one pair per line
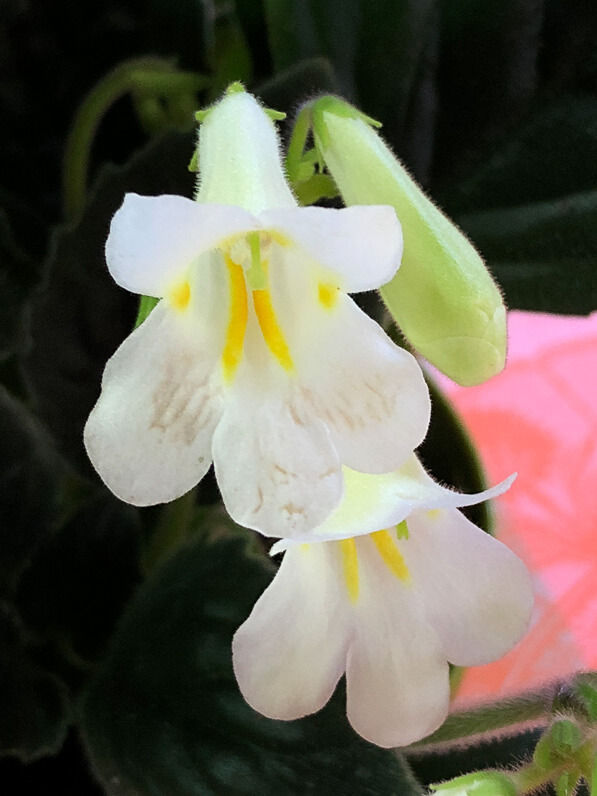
259, 505
328, 473
297, 419
385, 398
181, 405
340, 411
292, 509
286, 475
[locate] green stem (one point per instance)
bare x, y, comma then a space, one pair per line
297, 143
528, 778
530, 706
84, 126
168, 82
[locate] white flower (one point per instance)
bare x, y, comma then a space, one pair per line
388, 608
255, 357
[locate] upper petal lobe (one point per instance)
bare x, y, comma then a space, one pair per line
155, 239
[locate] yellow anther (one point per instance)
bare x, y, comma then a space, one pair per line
391, 555
270, 328
328, 295
350, 565
235, 334
180, 296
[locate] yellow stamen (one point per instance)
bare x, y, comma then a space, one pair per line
350, 565
235, 334
391, 555
270, 328
180, 296
328, 295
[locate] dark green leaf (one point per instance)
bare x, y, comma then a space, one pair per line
563, 228
77, 583
544, 255
568, 56
251, 16
29, 476
34, 715
17, 277
296, 84
81, 316
303, 29
553, 154
291, 32
487, 73
183, 29
165, 714
563, 286
232, 58
396, 80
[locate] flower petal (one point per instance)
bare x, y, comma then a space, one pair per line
396, 676
154, 239
290, 653
149, 435
478, 594
278, 473
362, 244
370, 393
372, 502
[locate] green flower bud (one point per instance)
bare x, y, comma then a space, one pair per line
442, 297
479, 783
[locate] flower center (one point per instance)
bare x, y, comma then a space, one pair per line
388, 550
247, 263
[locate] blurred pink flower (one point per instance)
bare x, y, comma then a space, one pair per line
539, 417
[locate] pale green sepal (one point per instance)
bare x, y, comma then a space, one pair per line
275, 116
194, 162
443, 297
146, 305
479, 783
239, 155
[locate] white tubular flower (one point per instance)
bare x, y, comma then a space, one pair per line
389, 609
256, 357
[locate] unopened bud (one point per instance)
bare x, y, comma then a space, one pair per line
479, 783
442, 297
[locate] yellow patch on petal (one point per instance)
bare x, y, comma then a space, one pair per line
278, 238
180, 296
270, 328
391, 555
328, 295
235, 334
350, 565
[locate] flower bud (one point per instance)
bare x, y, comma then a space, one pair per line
479, 783
442, 297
